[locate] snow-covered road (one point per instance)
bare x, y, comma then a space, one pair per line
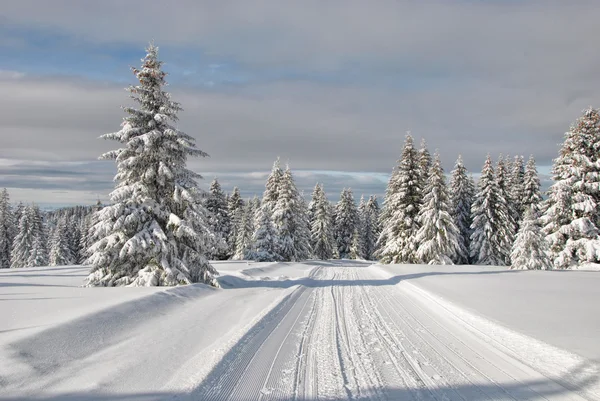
337, 331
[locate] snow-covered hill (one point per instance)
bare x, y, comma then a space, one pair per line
303, 331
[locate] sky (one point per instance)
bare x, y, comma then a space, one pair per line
331, 87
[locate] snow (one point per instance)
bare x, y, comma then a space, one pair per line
313, 330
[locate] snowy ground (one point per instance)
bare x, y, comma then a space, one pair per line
304, 331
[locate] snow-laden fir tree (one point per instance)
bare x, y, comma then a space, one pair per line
516, 184
438, 238
508, 220
371, 227
531, 195
289, 219
346, 222
397, 242
530, 250
29, 245
574, 236
264, 239
363, 223
7, 229
489, 211
220, 222
61, 253
235, 208
272, 186
425, 162
462, 193
357, 246
244, 231
155, 232
321, 239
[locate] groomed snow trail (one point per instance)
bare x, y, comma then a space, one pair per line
350, 333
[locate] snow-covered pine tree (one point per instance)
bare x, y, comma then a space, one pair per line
155, 231
245, 230
462, 193
29, 245
371, 227
574, 236
322, 242
438, 237
516, 184
265, 238
235, 207
61, 253
531, 196
363, 224
357, 246
508, 220
7, 229
17, 215
425, 162
397, 242
272, 186
220, 222
346, 222
530, 250
289, 220
489, 211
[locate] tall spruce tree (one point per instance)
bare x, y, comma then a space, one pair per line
371, 227
531, 195
7, 229
530, 250
264, 239
346, 221
272, 186
61, 253
289, 219
462, 194
29, 245
397, 242
245, 230
425, 162
155, 232
508, 220
574, 235
235, 207
516, 184
438, 237
489, 211
220, 222
321, 239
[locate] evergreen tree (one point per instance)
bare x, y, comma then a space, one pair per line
61, 253
265, 238
573, 234
530, 250
7, 229
371, 227
425, 162
508, 222
272, 186
220, 222
29, 246
155, 232
235, 208
531, 196
245, 230
357, 246
462, 193
516, 184
321, 240
346, 221
289, 219
362, 226
489, 211
438, 237
397, 242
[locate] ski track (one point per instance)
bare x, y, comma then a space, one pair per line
343, 333
339, 339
